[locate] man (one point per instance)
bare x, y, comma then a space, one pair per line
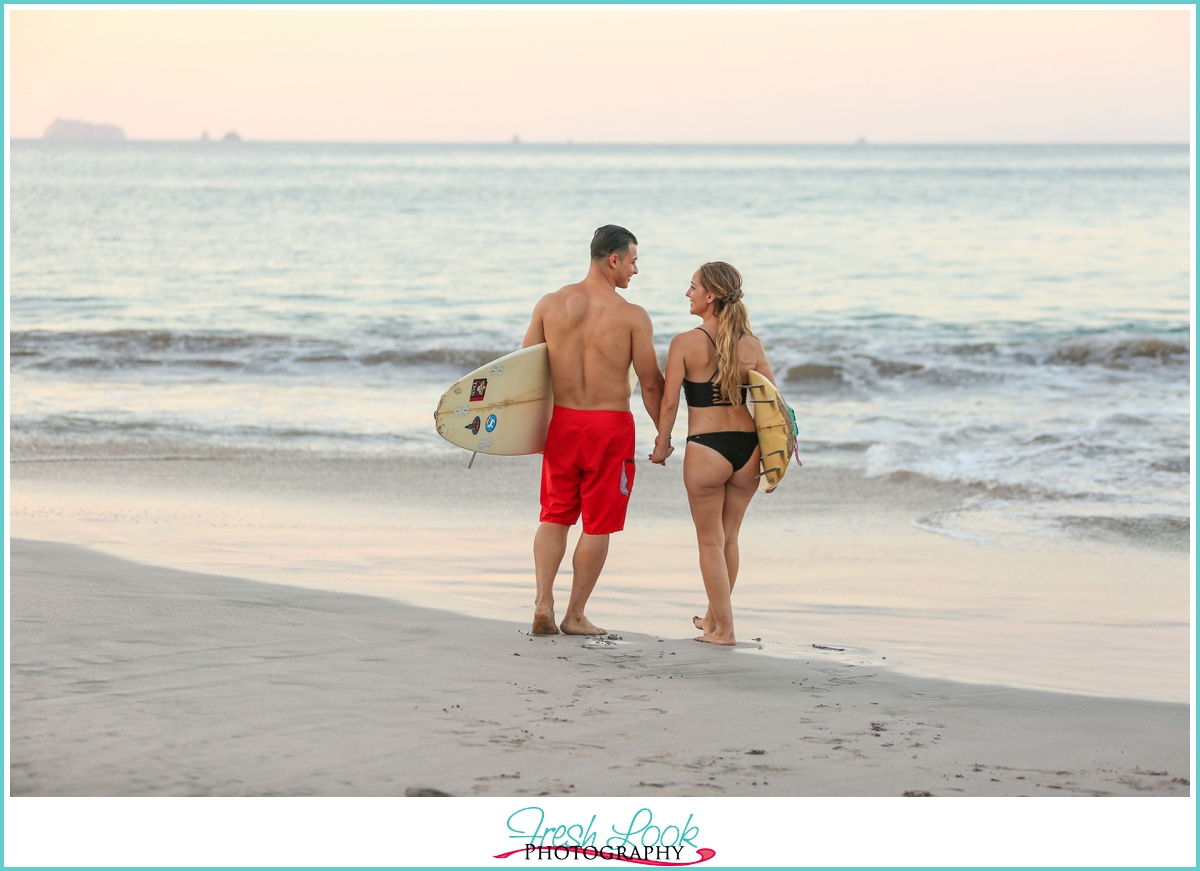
592, 335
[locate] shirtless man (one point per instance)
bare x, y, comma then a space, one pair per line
592, 335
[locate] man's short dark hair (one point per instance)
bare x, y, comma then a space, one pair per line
611, 239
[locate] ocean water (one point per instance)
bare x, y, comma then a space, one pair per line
1016, 319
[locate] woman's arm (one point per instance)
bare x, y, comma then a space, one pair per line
670, 402
763, 366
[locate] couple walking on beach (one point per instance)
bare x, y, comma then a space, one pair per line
592, 336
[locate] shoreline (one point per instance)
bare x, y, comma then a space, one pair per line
130, 679
835, 559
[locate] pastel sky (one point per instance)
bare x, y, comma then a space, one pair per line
610, 74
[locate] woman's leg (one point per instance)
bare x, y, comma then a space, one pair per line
705, 473
739, 490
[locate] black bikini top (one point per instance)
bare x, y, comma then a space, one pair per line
704, 394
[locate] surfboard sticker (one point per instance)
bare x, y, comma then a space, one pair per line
478, 389
473, 426
491, 423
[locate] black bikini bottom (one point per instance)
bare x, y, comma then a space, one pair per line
737, 447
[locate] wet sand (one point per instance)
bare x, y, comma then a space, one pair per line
832, 558
129, 679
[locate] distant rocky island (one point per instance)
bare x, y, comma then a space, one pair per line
63, 128
231, 136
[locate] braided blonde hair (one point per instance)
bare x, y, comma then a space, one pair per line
725, 284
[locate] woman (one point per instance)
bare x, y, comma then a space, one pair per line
721, 465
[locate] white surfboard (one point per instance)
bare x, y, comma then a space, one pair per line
502, 408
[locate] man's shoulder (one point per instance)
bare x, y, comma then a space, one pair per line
565, 290
556, 298
633, 312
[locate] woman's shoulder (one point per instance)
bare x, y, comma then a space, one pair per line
687, 337
750, 345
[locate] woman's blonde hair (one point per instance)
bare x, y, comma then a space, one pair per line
725, 284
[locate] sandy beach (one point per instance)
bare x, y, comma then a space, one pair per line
135, 680
195, 623
832, 558
318, 653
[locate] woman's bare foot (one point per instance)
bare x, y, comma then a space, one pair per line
714, 638
582, 626
543, 621
700, 624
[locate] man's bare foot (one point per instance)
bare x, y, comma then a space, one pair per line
583, 626
714, 638
543, 621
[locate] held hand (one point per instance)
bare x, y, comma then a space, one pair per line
661, 451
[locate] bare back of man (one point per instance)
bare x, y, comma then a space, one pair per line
592, 335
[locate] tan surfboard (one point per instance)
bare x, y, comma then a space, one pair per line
776, 430
502, 408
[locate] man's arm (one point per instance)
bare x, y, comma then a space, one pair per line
536, 333
645, 364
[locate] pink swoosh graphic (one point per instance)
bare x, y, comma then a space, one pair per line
705, 855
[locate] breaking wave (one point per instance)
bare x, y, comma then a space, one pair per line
142, 350
849, 366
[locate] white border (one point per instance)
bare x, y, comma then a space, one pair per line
468, 832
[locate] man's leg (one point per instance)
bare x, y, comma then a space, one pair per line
590, 554
604, 497
549, 546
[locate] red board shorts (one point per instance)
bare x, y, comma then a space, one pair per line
588, 466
